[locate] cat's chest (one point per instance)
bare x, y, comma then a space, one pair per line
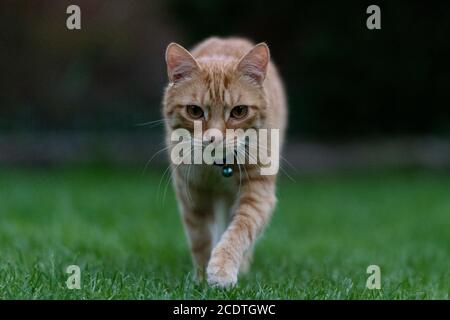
208, 177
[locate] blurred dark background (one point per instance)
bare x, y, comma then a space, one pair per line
356, 96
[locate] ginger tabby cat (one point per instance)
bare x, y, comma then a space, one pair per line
225, 83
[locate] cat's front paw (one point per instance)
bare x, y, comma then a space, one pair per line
221, 273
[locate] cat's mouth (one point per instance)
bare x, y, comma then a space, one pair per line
224, 161
220, 164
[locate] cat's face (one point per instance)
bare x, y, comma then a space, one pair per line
220, 92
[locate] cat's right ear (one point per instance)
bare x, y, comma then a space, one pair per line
254, 64
180, 63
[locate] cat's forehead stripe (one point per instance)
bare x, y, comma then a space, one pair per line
205, 99
216, 57
217, 83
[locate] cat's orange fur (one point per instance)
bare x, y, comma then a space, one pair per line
217, 75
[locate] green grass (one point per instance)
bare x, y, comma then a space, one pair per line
128, 240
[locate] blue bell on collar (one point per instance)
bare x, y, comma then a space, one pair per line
227, 171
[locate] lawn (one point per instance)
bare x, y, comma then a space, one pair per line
123, 230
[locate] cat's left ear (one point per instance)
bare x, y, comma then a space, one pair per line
180, 63
254, 64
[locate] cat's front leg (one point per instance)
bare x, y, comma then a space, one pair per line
197, 228
197, 216
254, 209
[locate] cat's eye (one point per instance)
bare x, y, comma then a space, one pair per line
195, 112
239, 112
